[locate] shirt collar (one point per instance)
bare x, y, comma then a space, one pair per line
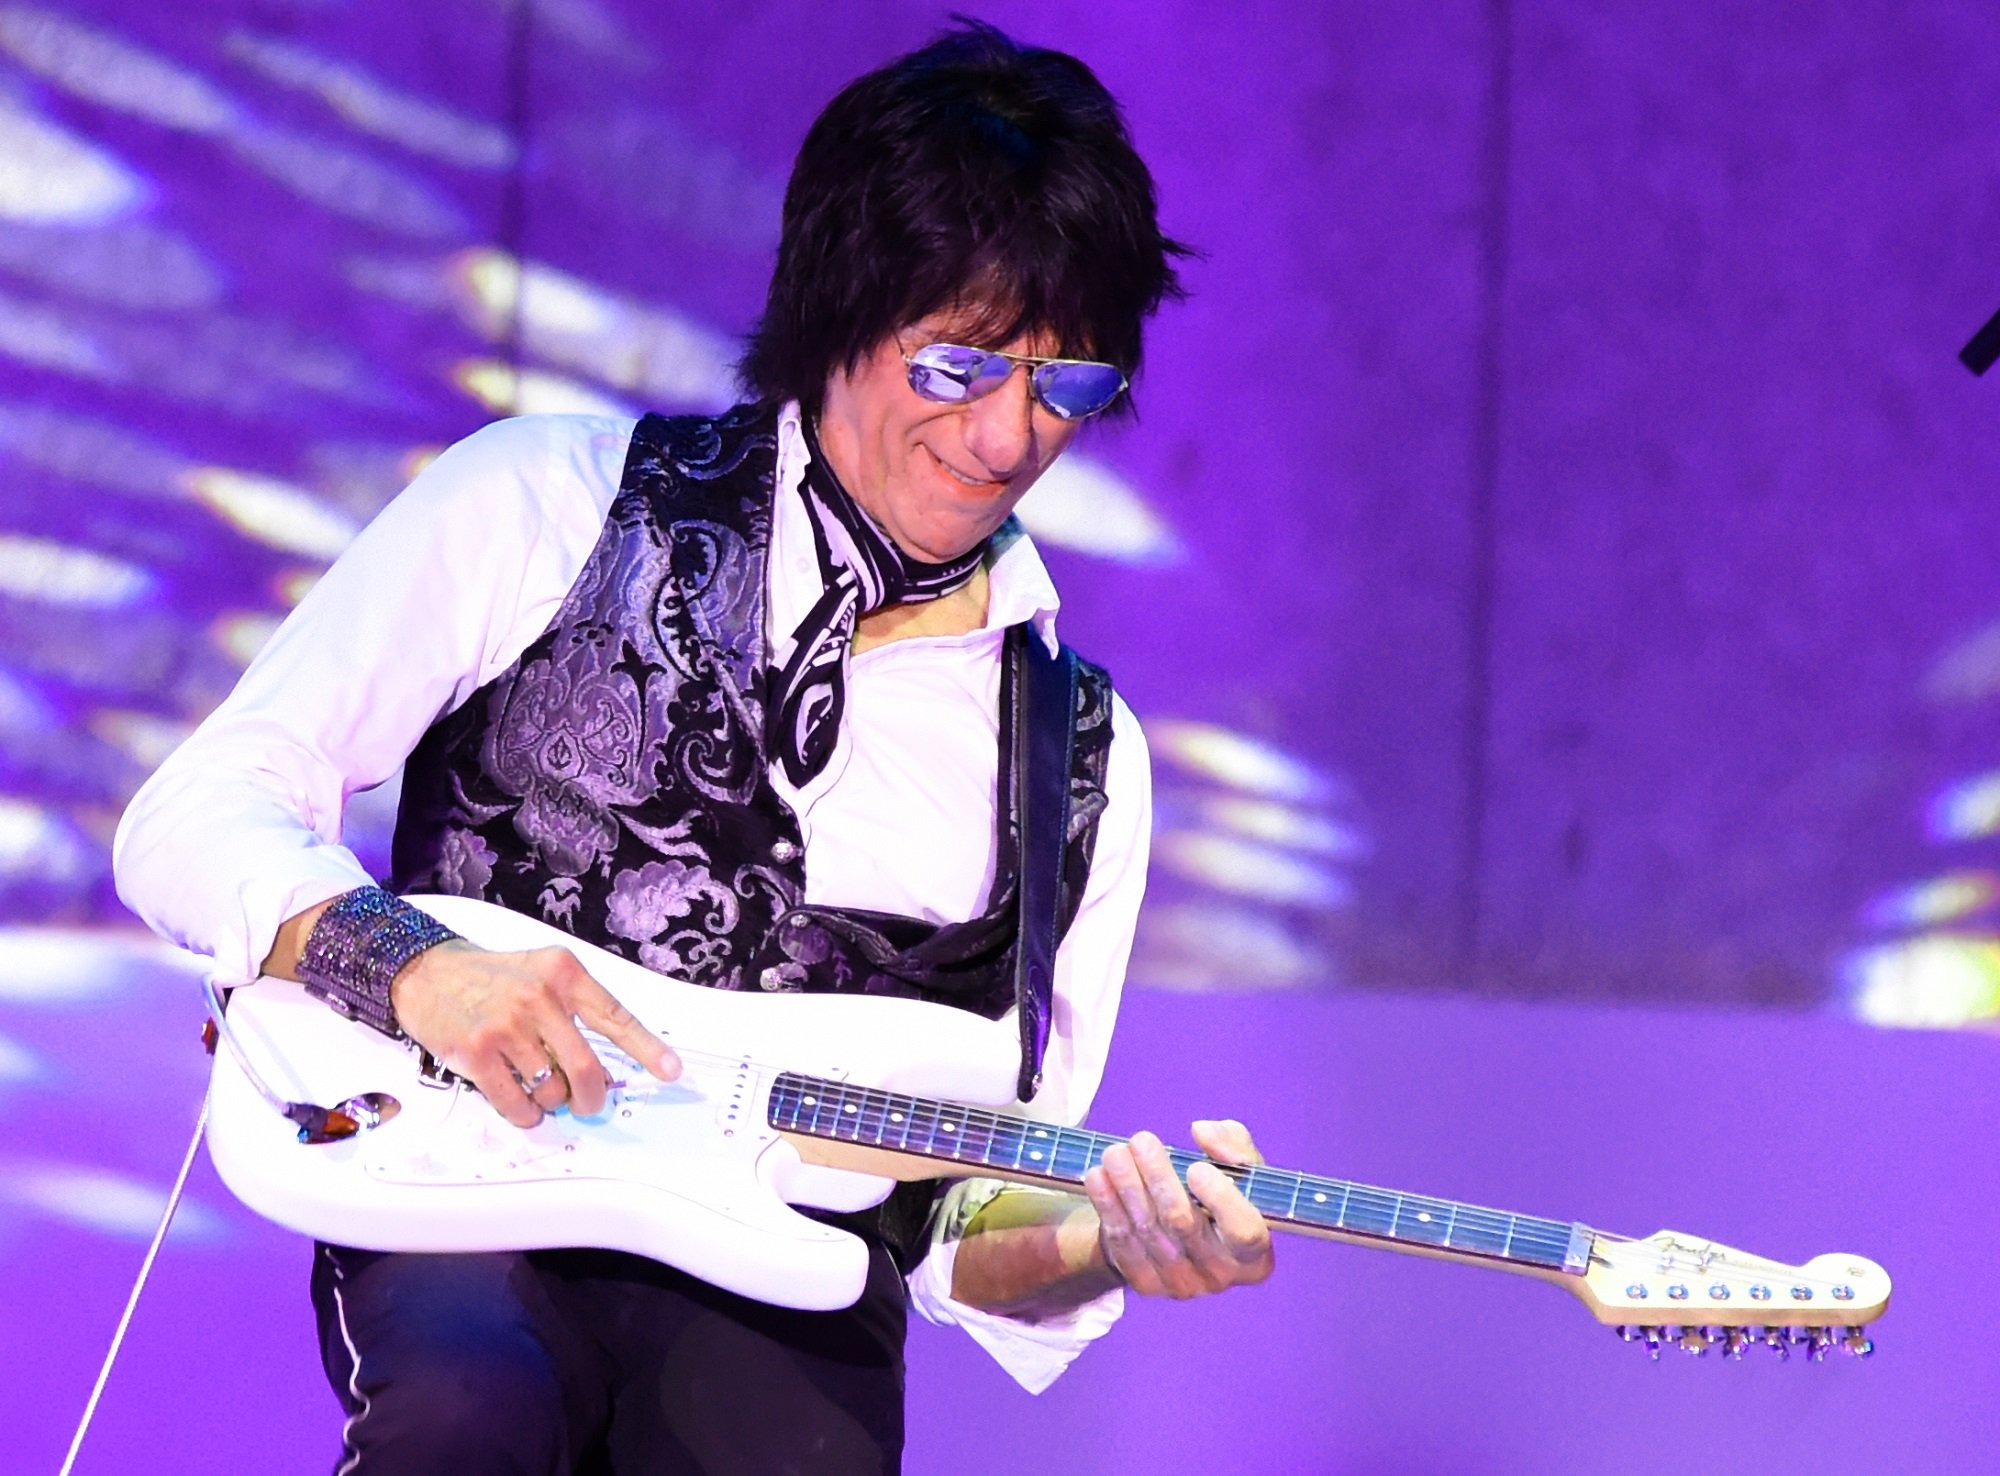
1018, 587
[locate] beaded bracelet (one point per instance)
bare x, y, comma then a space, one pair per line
357, 947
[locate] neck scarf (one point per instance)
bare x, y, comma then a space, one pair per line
862, 570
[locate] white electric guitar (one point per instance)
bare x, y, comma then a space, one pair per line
825, 1101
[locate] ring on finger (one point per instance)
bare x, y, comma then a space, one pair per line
533, 1084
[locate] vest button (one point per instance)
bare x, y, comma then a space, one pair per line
784, 851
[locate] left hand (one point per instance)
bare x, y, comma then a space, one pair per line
1166, 1244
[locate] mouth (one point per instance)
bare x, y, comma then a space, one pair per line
978, 484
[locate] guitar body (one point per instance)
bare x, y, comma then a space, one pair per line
687, 1172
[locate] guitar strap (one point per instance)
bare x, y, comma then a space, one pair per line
1044, 743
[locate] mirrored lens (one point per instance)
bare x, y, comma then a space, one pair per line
951, 372
1074, 389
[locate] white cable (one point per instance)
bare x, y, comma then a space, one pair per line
132, 1302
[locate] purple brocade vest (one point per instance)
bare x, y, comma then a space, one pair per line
614, 780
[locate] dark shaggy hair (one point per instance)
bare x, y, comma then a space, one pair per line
974, 172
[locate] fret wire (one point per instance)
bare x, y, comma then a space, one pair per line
1003, 1140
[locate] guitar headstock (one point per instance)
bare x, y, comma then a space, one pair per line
1677, 1289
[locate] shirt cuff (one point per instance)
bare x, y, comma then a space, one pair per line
1035, 1353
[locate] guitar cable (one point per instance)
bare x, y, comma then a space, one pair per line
138, 1286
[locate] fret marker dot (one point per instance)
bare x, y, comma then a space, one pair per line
1040, 1133
1319, 1199
1424, 1216
950, 1127
1034, 1153
895, 1117
852, 1108
810, 1101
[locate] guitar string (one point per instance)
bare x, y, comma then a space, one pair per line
1528, 1234
1522, 1237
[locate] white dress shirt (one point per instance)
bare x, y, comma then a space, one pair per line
241, 828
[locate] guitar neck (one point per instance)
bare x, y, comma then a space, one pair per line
888, 1131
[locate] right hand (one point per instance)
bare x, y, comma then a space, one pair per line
499, 1019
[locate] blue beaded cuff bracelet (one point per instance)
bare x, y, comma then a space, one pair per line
358, 946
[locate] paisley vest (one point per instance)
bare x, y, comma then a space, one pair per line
614, 781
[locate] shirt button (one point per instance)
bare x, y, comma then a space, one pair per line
784, 851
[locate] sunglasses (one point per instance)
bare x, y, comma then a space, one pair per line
1069, 389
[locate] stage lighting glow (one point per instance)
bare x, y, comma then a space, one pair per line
1968, 809
1940, 900
111, 72
103, 1201
504, 390
63, 966
89, 450
33, 333
1969, 671
18, 1063
273, 512
1936, 982
242, 635
662, 356
374, 107
1207, 946
1279, 825
143, 737
1236, 760
45, 339
1245, 869
1083, 505
52, 573
22, 708
126, 264
346, 182
37, 843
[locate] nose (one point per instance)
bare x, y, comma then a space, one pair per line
1000, 427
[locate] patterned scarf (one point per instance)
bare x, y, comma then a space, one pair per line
862, 570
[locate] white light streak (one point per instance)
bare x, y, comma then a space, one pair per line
63, 966
504, 391
1246, 869
18, 1063
99, 1200
35, 333
1237, 760
50, 175
1942, 899
274, 512
1968, 809
144, 737
663, 356
89, 450
1969, 671
127, 264
242, 635
1280, 824
1222, 948
52, 573
112, 72
374, 107
1083, 505
1937, 982
36, 843
349, 183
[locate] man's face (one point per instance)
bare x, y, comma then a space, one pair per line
938, 478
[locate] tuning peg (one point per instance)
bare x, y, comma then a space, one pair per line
1735, 1343
1857, 1345
1654, 1338
1774, 1339
1696, 1340
1824, 1341
1630, 1333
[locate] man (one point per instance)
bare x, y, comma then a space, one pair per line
726, 695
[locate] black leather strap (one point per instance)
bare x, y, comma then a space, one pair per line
1044, 738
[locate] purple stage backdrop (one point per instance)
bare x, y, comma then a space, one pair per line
1556, 560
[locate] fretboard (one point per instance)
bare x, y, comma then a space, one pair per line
971, 1140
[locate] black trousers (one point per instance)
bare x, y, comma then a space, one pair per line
590, 1363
